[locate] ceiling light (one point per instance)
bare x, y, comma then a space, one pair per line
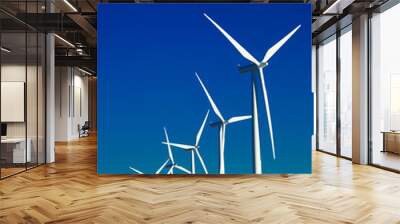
5, 50
84, 71
70, 5
338, 6
64, 40
329, 9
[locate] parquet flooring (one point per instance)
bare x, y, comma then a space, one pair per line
70, 191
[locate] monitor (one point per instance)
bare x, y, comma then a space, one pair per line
3, 129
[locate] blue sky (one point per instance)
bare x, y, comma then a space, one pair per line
147, 57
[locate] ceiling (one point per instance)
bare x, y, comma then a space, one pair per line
75, 22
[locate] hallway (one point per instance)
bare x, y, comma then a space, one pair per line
70, 191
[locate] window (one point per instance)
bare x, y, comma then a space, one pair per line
327, 95
385, 88
346, 92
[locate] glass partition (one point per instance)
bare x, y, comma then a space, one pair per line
14, 153
22, 101
327, 95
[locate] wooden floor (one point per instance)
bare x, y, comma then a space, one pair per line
5, 172
70, 191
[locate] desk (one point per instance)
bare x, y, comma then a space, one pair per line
391, 141
13, 150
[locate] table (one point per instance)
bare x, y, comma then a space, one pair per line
391, 141
13, 150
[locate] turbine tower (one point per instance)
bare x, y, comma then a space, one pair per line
194, 149
257, 71
221, 124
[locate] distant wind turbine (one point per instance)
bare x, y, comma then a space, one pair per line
170, 162
194, 149
221, 124
257, 70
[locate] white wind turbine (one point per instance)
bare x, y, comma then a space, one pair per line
170, 162
257, 70
194, 149
221, 124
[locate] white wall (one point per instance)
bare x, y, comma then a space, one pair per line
62, 82
17, 73
80, 112
71, 102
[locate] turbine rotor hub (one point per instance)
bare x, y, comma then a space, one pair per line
263, 64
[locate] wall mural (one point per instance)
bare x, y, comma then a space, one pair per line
204, 88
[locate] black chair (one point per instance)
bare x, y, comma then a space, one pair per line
84, 130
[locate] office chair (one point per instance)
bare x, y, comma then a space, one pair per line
84, 130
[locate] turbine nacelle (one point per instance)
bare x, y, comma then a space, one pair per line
263, 65
216, 124
170, 165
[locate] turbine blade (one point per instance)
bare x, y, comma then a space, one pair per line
183, 169
137, 171
199, 133
215, 108
238, 118
278, 45
201, 161
162, 166
238, 47
170, 155
182, 146
264, 89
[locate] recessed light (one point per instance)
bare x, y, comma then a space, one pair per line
70, 5
5, 50
64, 40
84, 71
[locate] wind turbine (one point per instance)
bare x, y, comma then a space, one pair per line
170, 162
194, 149
257, 70
221, 124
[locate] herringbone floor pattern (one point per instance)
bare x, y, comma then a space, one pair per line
70, 191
